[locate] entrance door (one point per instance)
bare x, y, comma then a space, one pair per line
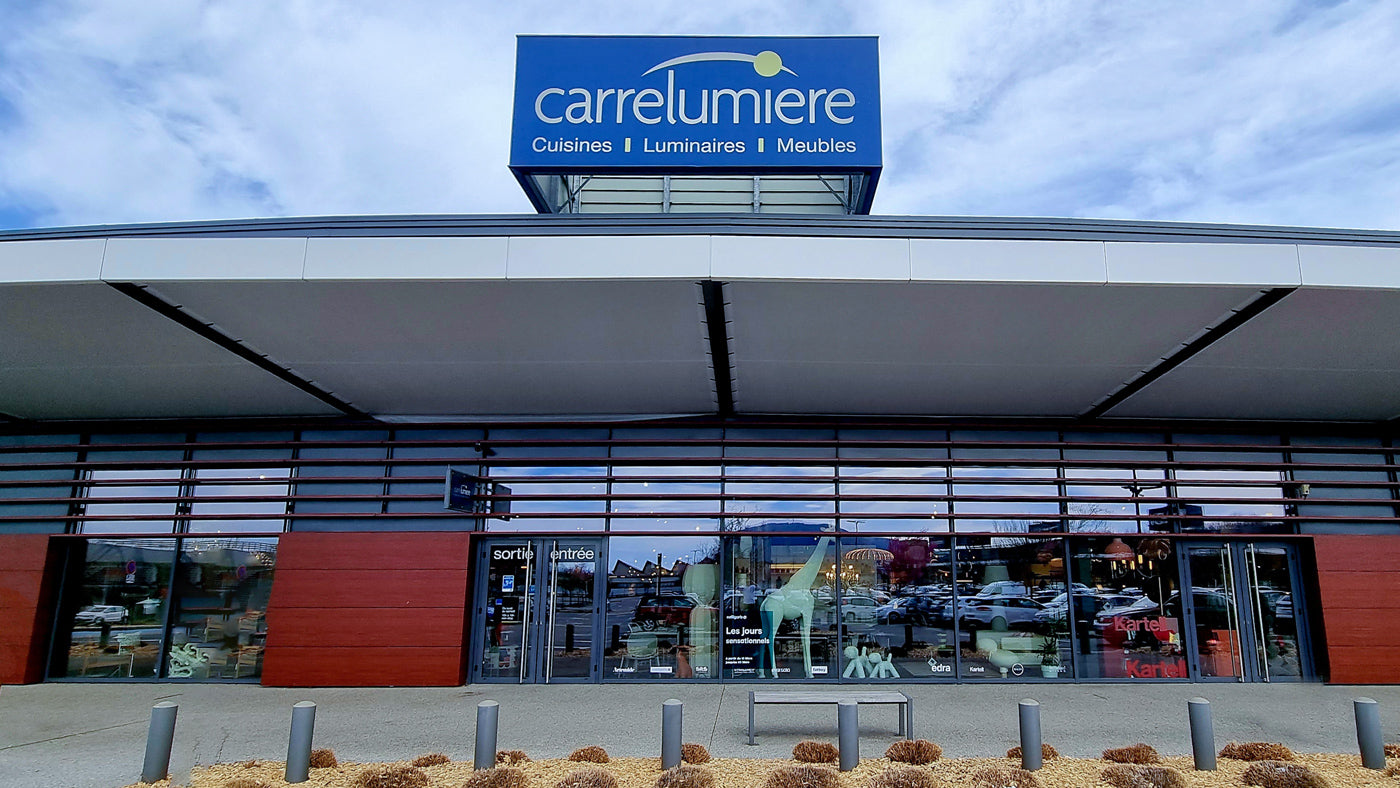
538, 611
1244, 612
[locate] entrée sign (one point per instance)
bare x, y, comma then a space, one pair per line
663, 102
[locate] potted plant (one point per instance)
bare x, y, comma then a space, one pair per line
1050, 657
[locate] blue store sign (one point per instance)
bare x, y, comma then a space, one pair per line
593, 104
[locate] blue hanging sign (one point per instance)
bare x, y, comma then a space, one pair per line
636, 103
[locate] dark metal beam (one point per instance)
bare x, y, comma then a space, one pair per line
145, 297
1244, 314
718, 327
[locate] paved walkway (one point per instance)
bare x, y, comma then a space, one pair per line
93, 735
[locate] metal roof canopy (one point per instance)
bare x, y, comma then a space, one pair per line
420, 318
767, 191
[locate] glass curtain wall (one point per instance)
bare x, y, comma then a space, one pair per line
199, 603
1007, 626
893, 590
219, 626
779, 607
1126, 608
117, 593
662, 616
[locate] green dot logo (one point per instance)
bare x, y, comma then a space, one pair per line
766, 63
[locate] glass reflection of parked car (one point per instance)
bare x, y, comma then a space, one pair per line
1003, 588
93, 615
1056, 610
858, 609
907, 610
998, 612
663, 610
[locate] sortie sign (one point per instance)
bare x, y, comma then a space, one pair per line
639, 103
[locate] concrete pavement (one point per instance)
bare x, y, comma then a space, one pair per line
93, 735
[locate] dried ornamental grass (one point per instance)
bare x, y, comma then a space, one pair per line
916, 751
686, 777
590, 754
1004, 777
903, 777
512, 757
323, 758
803, 776
1134, 753
391, 775
244, 782
431, 759
1392, 750
592, 777
499, 777
1256, 751
1277, 774
694, 753
816, 752
1047, 753
1134, 776
1392, 771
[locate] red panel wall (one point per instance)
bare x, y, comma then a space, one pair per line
1358, 580
27, 570
374, 609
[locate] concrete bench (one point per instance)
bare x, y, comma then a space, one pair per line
906, 704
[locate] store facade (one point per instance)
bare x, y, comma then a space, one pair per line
691, 551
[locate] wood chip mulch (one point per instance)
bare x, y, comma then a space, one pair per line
1341, 771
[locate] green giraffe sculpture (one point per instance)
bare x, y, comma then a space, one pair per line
793, 600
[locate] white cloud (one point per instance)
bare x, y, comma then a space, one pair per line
1246, 111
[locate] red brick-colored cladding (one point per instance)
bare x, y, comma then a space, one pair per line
1358, 580
26, 605
370, 609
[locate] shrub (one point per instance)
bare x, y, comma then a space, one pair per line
903, 777
1256, 751
591, 777
324, 758
1134, 753
393, 775
816, 752
1004, 777
1047, 753
431, 759
589, 754
685, 777
694, 753
499, 777
1127, 776
803, 776
1392, 771
244, 782
916, 751
512, 757
1277, 774
1392, 750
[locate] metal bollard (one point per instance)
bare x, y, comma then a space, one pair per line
488, 716
1030, 734
1202, 733
159, 740
1368, 733
299, 744
848, 733
671, 713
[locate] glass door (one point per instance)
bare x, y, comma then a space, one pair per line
1241, 609
1274, 606
1212, 612
537, 610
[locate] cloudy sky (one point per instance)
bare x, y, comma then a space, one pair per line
1240, 111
